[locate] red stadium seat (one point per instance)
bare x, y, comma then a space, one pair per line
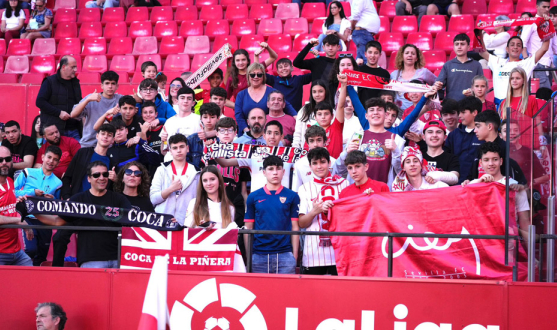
89, 78
280, 43
64, 4
95, 63
64, 15
89, 15
43, 64
203, 3
391, 42
500, 7
177, 62
243, 27
405, 24
94, 46
31, 78
115, 30
197, 45
186, 13
155, 58
210, 13
392, 62
44, 47
527, 6
434, 59
181, 3
422, 40
388, 9
255, 2
487, 18
17, 64
301, 41
236, 12
221, 40
123, 77
191, 28
65, 30
313, 10
433, 24
488, 73
200, 59
137, 14
145, 45
385, 24
294, 26
165, 29
475, 7
287, 10
90, 30
251, 43
19, 47
113, 15
2, 47
227, 3
7, 78
217, 28
140, 29
317, 25
259, 12
444, 41
171, 45
461, 23
120, 46
123, 63
69, 46
270, 26
162, 14
275, 3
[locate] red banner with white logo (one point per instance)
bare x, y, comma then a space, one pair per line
477, 209
194, 249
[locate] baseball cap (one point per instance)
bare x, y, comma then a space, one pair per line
435, 123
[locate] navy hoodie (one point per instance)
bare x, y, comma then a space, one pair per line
464, 145
292, 87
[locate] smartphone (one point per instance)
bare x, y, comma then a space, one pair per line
207, 224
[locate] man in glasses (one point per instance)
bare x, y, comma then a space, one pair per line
256, 121
149, 91
10, 249
95, 249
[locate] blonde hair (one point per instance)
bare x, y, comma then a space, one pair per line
524, 94
399, 60
253, 67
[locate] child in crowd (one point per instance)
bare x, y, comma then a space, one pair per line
161, 80
413, 174
357, 166
291, 86
306, 115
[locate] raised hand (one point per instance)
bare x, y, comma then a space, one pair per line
96, 97
112, 174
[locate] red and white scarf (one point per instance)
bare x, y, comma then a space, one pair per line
401, 182
327, 191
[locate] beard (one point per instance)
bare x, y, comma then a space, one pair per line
256, 128
54, 142
5, 170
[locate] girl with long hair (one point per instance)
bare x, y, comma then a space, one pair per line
37, 131
479, 89
336, 23
306, 115
343, 62
133, 181
237, 73
13, 20
173, 89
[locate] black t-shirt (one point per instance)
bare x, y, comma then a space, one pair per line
141, 203
97, 245
446, 162
367, 93
133, 128
26, 147
71, 124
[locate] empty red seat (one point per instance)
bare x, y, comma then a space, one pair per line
388, 9
89, 77
137, 14
434, 59
301, 41
317, 25
17, 64
95, 63
221, 40
198, 61
385, 25
123, 77
433, 24
162, 14
227, 3
7, 78
236, 12
69, 46
422, 40
43, 64
145, 45
115, 14
280, 43
391, 65
270, 26
90, 30
64, 4
181, 3
242, 27
202, 3
209, 13
191, 28
217, 28
155, 58
287, 10
65, 30
172, 45
461, 23
94, 46
120, 46
405, 24
44, 47
115, 30
165, 29
294, 26
32, 78
255, 2
391, 42
476, 7
527, 6
186, 13
64, 16
89, 15
501, 7
251, 43
140, 29
197, 45
259, 12
444, 41
19, 47
2, 47
177, 62
123, 63
313, 10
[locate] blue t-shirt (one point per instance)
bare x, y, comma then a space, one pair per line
85, 185
272, 210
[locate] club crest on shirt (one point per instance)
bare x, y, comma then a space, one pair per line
375, 150
282, 199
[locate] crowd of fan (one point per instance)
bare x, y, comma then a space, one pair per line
146, 150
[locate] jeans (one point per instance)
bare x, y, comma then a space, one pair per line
100, 264
544, 76
361, 38
15, 259
74, 133
41, 242
275, 263
106, 4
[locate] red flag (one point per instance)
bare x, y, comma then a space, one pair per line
477, 209
154, 315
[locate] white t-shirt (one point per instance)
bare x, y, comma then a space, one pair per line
302, 172
426, 185
183, 125
214, 213
501, 68
258, 179
350, 126
13, 21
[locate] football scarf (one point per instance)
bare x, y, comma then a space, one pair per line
327, 192
209, 67
546, 30
237, 150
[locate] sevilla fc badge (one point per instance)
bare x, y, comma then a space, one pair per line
282, 200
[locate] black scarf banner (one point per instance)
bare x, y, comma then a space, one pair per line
238, 150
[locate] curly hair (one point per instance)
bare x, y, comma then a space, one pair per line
143, 189
399, 60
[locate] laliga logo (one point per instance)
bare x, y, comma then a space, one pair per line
231, 296
431, 245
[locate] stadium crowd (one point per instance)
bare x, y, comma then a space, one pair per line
147, 150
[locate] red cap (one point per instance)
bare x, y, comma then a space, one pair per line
435, 123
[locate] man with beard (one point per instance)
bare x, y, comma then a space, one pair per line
256, 122
69, 148
22, 148
10, 249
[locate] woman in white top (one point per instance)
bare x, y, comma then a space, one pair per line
497, 42
336, 23
13, 20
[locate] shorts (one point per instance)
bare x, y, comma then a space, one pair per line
443, 11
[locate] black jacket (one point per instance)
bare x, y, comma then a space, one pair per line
53, 98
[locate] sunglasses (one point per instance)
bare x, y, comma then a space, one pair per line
258, 75
175, 86
345, 55
98, 175
226, 130
7, 159
134, 173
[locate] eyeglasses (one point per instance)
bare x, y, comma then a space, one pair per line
226, 130
7, 159
98, 175
147, 90
175, 86
134, 173
345, 55
258, 75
